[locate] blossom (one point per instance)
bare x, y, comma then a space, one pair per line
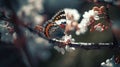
108, 63
89, 18
82, 29
77, 32
69, 49
86, 21
90, 13
72, 13
68, 37
61, 50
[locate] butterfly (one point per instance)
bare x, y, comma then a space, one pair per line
58, 20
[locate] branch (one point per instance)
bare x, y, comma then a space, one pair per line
85, 45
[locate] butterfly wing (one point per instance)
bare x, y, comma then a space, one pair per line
59, 15
50, 24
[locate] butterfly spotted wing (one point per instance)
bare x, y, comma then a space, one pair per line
58, 16
50, 27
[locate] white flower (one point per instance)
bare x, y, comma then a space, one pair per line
61, 50
103, 63
85, 22
108, 63
69, 22
57, 48
82, 28
94, 14
96, 17
86, 15
68, 37
108, 60
77, 32
90, 13
69, 49
73, 12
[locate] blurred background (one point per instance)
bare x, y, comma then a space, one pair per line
41, 53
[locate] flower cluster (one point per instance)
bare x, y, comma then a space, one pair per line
65, 46
113, 62
108, 63
89, 19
